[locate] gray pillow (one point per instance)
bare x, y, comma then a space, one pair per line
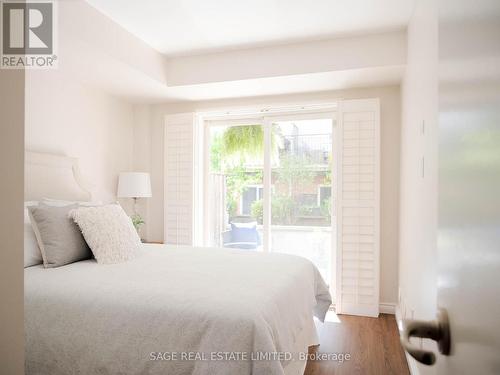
58, 237
32, 254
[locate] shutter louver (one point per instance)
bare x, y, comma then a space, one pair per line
358, 208
178, 174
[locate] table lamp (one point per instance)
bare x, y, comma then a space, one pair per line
134, 185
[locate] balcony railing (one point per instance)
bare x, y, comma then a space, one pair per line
314, 148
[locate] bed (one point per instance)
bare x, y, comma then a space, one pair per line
172, 310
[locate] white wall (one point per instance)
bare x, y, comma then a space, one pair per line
418, 214
335, 55
65, 117
418, 206
70, 111
142, 156
390, 137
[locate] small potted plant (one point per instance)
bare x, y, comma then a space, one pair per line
138, 221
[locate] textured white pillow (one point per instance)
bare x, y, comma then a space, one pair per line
109, 232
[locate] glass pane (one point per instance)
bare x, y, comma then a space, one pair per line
236, 155
249, 196
301, 194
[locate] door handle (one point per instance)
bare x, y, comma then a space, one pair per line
437, 330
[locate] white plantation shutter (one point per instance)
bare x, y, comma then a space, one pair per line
178, 175
358, 209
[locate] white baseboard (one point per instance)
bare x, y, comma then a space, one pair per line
412, 364
383, 307
387, 308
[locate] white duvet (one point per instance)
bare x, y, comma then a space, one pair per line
221, 308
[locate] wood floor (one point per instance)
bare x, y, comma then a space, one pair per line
373, 345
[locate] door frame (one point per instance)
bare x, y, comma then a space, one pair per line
206, 124
266, 121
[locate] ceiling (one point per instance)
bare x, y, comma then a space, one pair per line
138, 89
189, 27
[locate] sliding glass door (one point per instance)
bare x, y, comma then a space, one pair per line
301, 198
235, 185
269, 186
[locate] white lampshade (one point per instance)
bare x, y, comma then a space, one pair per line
134, 185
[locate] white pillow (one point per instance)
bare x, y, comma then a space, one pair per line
109, 232
32, 253
62, 203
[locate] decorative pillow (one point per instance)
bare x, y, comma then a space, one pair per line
58, 237
61, 203
32, 254
109, 232
245, 232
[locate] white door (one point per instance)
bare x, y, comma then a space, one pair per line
469, 185
468, 236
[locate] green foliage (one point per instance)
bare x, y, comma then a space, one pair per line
326, 208
237, 180
230, 152
328, 175
282, 210
257, 210
306, 209
247, 140
231, 206
237, 147
216, 153
137, 221
294, 171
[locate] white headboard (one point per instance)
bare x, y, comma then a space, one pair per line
53, 176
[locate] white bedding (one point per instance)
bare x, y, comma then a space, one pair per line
86, 318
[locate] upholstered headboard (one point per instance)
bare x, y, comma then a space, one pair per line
53, 176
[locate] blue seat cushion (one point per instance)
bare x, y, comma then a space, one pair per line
245, 232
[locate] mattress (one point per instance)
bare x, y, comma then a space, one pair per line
174, 310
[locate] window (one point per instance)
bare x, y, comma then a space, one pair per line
324, 194
251, 194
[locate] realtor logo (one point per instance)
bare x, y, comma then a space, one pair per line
28, 34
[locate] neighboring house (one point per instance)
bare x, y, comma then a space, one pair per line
301, 182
